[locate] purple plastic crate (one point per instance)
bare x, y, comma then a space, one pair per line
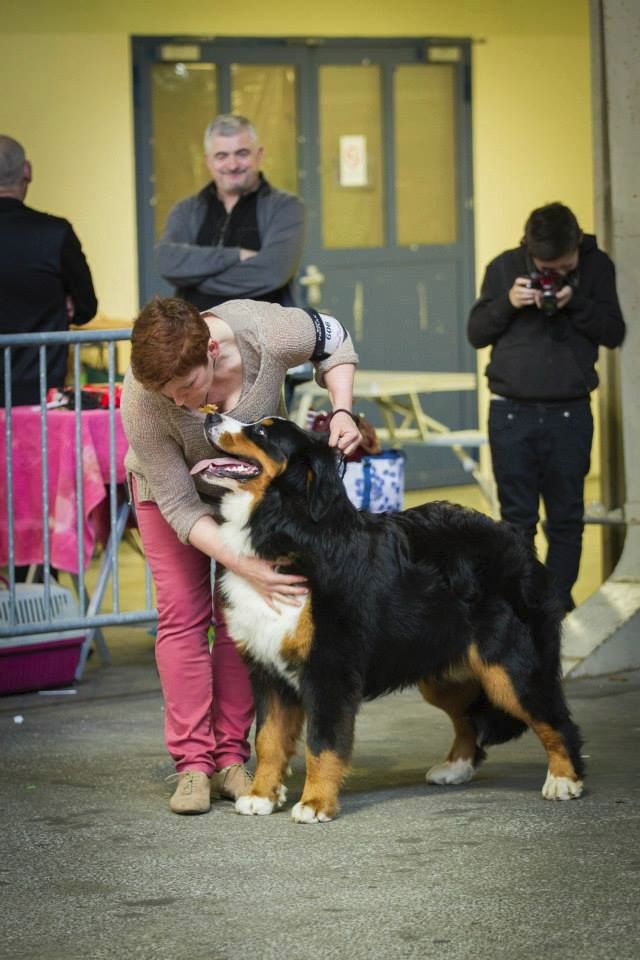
44, 660
39, 666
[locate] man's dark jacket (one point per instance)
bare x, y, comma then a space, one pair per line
41, 264
535, 357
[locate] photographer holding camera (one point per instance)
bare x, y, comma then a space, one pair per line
544, 308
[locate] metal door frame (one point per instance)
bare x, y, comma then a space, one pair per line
144, 51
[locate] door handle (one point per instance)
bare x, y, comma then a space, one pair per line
312, 280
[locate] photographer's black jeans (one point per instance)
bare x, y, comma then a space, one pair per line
543, 450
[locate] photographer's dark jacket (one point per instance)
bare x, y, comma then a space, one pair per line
535, 357
41, 264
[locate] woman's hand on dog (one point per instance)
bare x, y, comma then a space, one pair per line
273, 587
263, 575
344, 433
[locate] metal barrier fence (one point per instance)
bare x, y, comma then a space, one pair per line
87, 616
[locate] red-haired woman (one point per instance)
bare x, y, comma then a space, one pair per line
237, 359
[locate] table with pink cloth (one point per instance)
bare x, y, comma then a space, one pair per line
63, 500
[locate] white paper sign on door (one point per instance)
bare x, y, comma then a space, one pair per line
353, 161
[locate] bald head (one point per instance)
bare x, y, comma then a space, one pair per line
15, 169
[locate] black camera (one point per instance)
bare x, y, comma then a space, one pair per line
549, 282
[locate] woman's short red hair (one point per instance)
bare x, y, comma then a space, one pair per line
169, 339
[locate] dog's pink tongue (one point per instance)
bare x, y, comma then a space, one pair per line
203, 465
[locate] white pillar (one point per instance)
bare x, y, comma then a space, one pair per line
603, 634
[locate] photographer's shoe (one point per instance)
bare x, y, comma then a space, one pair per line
232, 782
193, 793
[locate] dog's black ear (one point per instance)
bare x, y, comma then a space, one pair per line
323, 485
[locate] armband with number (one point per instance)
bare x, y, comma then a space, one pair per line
330, 334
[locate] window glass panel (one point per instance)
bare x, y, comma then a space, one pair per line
351, 156
425, 152
266, 95
184, 99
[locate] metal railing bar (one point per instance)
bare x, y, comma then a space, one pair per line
80, 623
77, 376
8, 432
44, 446
62, 336
116, 533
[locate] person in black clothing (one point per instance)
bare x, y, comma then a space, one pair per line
239, 237
544, 308
45, 282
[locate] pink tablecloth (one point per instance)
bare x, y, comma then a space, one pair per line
63, 500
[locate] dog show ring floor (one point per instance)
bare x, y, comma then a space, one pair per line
94, 866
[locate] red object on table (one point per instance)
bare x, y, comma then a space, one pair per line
93, 396
63, 500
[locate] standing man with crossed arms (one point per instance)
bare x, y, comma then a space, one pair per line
239, 237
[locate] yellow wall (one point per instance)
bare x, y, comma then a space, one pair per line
66, 94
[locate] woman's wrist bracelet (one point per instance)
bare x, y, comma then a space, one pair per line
354, 417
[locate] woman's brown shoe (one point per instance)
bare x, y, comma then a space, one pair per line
193, 793
232, 782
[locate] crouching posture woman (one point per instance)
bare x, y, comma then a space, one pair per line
237, 358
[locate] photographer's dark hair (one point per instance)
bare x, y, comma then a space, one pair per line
551, 232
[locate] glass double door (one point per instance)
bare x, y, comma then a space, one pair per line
375, 137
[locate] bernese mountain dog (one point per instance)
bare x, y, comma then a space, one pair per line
438, 596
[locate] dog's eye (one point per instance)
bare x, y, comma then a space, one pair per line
260, 431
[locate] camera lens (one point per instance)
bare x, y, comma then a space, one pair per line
548, 303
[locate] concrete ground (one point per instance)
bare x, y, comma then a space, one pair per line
94, 866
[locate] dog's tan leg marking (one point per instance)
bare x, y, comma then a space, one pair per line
454, 698
562, 781
296, 646
325, 774
275, 745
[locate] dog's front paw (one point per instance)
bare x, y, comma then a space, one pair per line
305, 813
251, 805
451, 771
561, 788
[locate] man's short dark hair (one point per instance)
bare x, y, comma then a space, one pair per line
551, 232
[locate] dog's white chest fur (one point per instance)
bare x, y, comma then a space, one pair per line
252, 623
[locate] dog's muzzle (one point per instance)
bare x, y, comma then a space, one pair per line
224, 465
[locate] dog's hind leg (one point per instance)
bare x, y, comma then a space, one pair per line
276, 738
543, 708
455, 698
